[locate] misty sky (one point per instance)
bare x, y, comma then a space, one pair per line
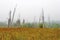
28, 9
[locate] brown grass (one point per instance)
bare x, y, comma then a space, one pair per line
29, 34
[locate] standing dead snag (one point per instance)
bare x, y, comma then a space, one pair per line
48, 21
34, 22
39, 21
9, 20
23, 22
42, 18
18, 21
14, 13
41, 25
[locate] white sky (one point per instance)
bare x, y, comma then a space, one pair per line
30, 8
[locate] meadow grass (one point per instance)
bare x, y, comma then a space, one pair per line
29, 33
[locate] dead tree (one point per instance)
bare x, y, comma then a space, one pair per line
43, 18
34, 22
48, 21
18, 21
9, 20
14, 13
23, 21
39, 22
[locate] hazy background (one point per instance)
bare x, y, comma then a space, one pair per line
30, 8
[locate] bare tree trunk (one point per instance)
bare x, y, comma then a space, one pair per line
43, 18
9, 20
49, 21
14, 13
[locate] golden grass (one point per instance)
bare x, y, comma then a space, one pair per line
29, 34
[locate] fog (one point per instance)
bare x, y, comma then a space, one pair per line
28, 9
